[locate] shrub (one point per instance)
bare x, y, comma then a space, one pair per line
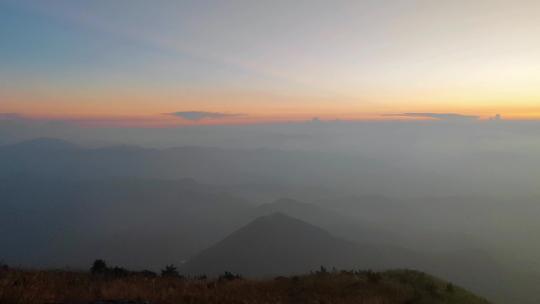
373, 277
431, 288
99, 267
322, 271
229, 276
170, 271
119, 272
147, 274
201, 277
450, 288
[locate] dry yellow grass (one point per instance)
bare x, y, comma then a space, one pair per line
39, 287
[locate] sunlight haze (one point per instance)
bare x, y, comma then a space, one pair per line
353, 60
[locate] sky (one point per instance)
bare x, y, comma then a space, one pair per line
162, 63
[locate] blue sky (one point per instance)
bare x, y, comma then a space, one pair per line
279, 59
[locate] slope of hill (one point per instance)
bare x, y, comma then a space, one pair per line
345, 287
278, 244
339, 225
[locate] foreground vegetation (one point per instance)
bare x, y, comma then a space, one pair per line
403, 286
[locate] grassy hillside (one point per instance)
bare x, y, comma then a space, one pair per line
38, 287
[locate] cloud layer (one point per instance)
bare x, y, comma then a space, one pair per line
439, 116
199, 115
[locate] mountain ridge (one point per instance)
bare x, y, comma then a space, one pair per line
279, 244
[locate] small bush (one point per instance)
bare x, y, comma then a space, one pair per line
201, 277
119, 272
373, 277
229, 276
431, 288
146, 274
450, 288
322, 271
170, 271
99, 267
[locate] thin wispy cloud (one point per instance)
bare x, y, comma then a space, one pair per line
200, 115
439, 116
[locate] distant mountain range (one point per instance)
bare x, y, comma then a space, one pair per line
259, 169
63, 205
148, 223
132, 222
138, 222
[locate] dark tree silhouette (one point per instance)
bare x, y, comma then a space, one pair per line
99, 267
229, 276
170, 271
3, 266
119, 272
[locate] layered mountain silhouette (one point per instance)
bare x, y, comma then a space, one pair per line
265, 167
41, 145
66, 205
280, 244
133, 222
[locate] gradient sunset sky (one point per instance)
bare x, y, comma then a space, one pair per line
204, 62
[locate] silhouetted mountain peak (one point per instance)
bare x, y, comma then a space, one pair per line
273, 244
289, 206
275, 217
279, 223
289, 201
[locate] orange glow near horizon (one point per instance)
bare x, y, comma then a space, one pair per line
149, 109
163, 120
100, 65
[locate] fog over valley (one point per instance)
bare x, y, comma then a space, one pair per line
456, 199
